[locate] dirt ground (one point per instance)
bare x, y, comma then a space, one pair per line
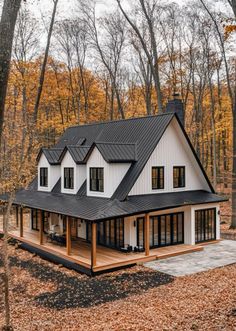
48, 297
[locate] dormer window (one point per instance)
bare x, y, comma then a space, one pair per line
69, 178
43, 177
178, 177
97, 179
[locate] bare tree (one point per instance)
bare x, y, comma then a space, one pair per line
45, 59
149, 12
232, 96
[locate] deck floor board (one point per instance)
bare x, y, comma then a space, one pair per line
107, 258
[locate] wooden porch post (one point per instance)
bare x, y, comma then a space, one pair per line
68, 236
21, 221
17, 217
94, 245
41, 227
146, 232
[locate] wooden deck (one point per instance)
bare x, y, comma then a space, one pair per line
107, 258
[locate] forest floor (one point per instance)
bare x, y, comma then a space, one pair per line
45, 296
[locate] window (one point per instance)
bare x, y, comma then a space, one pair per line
179, 177
157, 178
205, 225
69, 178
96, 179
44, 177
110, 233
34, 219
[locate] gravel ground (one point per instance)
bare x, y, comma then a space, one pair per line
47, 297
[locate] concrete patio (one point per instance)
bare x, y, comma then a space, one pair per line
213, 256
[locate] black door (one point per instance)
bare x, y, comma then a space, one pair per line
205, 225
164, 230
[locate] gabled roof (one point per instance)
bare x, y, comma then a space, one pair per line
117, 152
51, 154
143, 132
78, 153
132, 140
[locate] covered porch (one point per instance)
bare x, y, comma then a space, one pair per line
90, 256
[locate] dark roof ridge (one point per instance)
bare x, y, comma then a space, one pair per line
121, 120
77, 146
114, 143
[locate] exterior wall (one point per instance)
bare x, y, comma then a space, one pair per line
79, 173
81, 229
131, 230
189, 223
113, 174
172, 150
54, 174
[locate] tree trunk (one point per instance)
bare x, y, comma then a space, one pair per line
7, 27
6, 274
43, 69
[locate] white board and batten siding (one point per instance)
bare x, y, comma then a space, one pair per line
172, 150
113, 174
54, 173
79, 173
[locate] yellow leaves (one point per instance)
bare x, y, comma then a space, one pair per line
229, 29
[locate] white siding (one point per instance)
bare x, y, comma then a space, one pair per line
113, 174
81, 230
172, 150
79, 173
53, 174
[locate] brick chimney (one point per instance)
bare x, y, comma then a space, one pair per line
176, 106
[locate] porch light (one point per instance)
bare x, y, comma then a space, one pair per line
134, 223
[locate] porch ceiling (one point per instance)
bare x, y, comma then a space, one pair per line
97, 209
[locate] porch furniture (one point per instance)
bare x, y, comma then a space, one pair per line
126, 249
57, 238
138, 249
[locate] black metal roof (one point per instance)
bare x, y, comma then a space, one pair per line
78, 153
117, 152
144, 132
132, 140
51, 154
97, 209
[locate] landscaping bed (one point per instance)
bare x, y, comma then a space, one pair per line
49, 297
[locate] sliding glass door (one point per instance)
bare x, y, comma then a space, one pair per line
110, 233
164, 230
205, 225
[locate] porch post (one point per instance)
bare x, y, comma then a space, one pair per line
68, 236
40, 227
146, 234
21, 221
94, 245
17, 217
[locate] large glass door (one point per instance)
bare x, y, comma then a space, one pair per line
164, 230
109, 233
205, 225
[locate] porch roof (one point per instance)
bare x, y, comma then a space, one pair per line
98, 209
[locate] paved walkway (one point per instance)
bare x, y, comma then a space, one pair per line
213, 256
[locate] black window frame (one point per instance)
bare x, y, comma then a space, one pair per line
96, 184
205, 225
160, 180
181, 181
43, 176
159, 241
69, 178
110, 233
